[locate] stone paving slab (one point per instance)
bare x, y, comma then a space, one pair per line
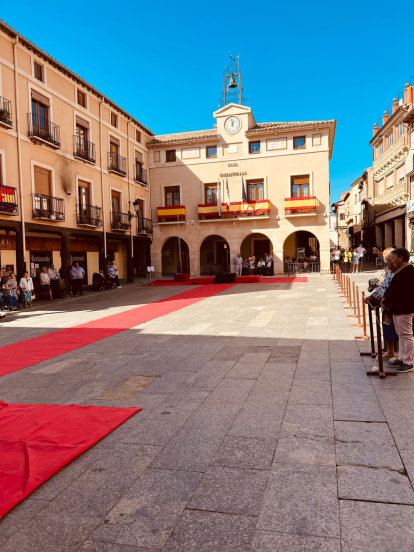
266, 541
245, 452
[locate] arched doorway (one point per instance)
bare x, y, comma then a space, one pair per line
256, 243
302, 244
170, 255
214, 256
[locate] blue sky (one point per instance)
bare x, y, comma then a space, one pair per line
163, 61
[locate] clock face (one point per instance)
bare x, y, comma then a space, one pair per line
232, 124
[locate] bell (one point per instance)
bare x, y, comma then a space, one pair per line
233, 83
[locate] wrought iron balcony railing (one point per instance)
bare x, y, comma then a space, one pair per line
5, 112
144, 226
41, 128
8, 201
48, 208
236, 209
120, 221
84, 149
89, 215
140, 175
116, 164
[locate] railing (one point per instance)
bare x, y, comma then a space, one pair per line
171, 214
389, 152
8, 201
140, 174
236, 209
116, 164
39, 127
48, 207
84, 149
120, 221
5, 112
300, 205
144, 226
300, 267
89, 215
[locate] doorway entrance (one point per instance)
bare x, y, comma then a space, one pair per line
215, 256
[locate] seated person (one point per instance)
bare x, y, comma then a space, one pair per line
246, 267
112, 276
305, 263
288, 260
261, 267
313, 257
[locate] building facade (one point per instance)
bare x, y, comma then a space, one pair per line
392, 166
271, 179
72, 163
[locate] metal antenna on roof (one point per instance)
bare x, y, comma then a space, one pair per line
232, 86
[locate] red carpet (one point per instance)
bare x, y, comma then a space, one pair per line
283, 280
247, 279
31, 351
168, 283
203, 280
37, 440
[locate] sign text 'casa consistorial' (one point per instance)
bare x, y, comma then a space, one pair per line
242, 173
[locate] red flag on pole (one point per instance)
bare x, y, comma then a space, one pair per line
228, 194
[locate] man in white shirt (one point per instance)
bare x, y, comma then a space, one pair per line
361, 252
238, 261
53, 273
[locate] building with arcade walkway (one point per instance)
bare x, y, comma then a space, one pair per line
272, 180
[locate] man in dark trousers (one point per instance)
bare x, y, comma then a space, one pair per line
399, 301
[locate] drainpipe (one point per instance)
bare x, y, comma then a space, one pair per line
102, 180
19, 156
130, 261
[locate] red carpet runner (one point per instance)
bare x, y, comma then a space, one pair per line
26, 353
37, 440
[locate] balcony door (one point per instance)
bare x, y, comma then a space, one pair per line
172, 196
84, 198
39, 116
140, 215
211, 193
255, 191
300, 186
82, 140
116, 205
113, 150
42, 183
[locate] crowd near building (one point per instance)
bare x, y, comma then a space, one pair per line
378, 208
83, 181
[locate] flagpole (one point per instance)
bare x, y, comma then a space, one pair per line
179, 243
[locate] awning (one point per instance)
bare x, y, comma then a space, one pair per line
394, 213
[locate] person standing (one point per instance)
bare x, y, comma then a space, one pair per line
347, 259
361, 252
80, 273
73, 275
252, 263
116, 274
45, 283
399, 301
355, 261
374, 255
238, 261
26, 285
53, 272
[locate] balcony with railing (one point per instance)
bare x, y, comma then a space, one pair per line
236, 210
48, 208
393, 197
83, 149
171, 214
296, 206
43, 131
89, 215
140, 175
116, 164
5, 113
120, 221
144, 225
391, 156
8, 201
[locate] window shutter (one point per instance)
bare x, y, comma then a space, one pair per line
82, 122
139, 157
300, 179
42, 181
156, 156
40, 98
400, 172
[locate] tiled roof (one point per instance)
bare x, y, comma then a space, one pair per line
184, 137
268, 127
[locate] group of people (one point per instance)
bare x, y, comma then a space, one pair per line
350, 260
10, 289
304, 262
250, 266
395, 294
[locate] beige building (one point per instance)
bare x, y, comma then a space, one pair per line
72, 163
284, 170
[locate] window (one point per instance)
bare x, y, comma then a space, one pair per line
116, 201
138, 136
156, 156
276, 144
390, 140
300, 186
211, 193
342, 216
211, 151
390, 180
81, 98
172, 196
140, 214
255, 191
114, 119
401, 173
355, 199
42, 187
40, 116
254, 147
38, 71
299, 142
400, 130
170, 156
84, 197
114, 149
380, 149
